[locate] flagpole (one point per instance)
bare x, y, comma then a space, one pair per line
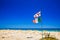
42, 28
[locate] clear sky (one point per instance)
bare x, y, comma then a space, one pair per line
19, 13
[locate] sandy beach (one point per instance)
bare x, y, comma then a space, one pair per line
24, 35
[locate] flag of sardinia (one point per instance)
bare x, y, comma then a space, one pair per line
37, 17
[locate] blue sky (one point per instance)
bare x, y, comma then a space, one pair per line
19, 13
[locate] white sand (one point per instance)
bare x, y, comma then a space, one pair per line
24, 35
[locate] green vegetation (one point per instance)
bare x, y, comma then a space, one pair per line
48, 38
